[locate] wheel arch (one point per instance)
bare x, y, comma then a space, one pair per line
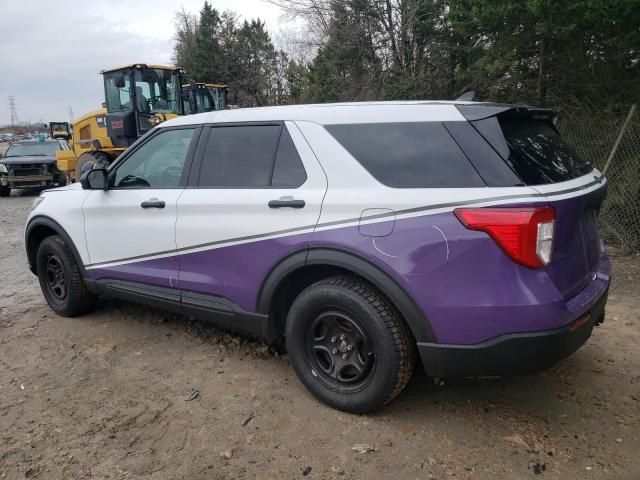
300, 269
41, 227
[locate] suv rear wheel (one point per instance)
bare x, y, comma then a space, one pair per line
61, 279
349, 345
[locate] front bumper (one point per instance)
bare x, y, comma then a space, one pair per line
26, 180
514, 353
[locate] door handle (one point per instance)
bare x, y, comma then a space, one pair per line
286, 203
153, 203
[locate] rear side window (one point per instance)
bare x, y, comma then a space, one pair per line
239, 156
251, 156
538, 154
408, 155
288, 171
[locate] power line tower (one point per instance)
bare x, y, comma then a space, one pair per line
70, 115
12, 110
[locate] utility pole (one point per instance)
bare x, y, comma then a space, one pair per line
12, 110
70, 115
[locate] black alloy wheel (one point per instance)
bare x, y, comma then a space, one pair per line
56, 281
338, 349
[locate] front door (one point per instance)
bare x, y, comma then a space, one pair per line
257, 194
130, 228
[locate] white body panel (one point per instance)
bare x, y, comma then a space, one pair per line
118, 228
64, 205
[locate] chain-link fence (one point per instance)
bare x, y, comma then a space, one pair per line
594, 137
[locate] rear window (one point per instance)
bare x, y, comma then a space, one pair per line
538, 154
408, 155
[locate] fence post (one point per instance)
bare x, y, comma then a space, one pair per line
619, 139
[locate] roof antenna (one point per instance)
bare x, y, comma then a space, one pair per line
466, 96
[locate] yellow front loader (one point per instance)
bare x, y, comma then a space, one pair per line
137, 98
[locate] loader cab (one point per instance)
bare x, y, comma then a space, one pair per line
138, 97
219, 95
203, 97
60, 130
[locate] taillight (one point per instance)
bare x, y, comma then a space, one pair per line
524, 234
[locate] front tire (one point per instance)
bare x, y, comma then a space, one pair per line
90, 160
63, 179
61, 279
5, 191
349, 345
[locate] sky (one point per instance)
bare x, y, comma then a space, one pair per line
51, 53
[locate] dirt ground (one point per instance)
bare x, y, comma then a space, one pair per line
103, 396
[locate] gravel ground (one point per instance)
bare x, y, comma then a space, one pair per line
103, 396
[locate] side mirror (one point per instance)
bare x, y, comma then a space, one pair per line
95, 179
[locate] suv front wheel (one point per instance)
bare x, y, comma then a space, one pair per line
61, 279
349, 345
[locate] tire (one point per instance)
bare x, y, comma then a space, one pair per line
90, 160
5, 191
61, 279
62, 179
349, 345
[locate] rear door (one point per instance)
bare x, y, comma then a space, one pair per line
255, 194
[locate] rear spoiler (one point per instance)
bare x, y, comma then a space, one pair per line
482, 111
486, 110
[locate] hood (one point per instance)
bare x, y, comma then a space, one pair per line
30, 159
71, 186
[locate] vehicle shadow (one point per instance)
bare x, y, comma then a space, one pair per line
578, 379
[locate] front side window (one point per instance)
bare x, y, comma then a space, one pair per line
156, 164
408, 155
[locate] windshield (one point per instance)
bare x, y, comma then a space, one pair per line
155, 90
39, 149
58, 126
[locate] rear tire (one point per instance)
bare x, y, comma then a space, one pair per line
61, 279
5, 191
349, 345
91, 160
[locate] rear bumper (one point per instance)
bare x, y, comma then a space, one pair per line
514, 353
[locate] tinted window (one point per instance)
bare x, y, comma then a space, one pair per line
408, 155
239, 156
156, 164
537, 153
288, 171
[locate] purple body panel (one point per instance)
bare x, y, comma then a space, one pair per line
467, 287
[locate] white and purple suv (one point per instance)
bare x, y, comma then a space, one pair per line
363, 234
